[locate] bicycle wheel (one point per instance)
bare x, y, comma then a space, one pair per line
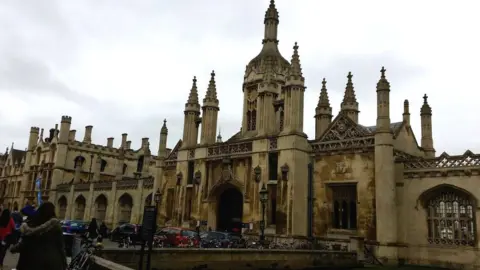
75, 262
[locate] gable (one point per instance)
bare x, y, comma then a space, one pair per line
174, 153
343, 128
406, 141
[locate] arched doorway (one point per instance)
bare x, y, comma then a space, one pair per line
230, 210
101, 207
80, 203
148, 200
125, 204
62, 207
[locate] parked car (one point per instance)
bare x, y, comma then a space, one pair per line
221, 240
176, 236
74, 226
126, 229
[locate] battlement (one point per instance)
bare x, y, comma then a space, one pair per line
34, 129
66, 119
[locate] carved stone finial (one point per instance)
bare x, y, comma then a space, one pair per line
383, 72
425, 99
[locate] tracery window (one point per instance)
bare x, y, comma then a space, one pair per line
344, 207
450, 219
254, 120
282, 117
251, 120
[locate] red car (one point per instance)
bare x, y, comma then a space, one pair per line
178, 237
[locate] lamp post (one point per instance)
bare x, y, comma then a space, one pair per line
263, 199
157, 197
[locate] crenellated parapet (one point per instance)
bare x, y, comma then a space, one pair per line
444, 165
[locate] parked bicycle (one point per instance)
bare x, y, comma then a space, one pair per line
84, 260
126, 242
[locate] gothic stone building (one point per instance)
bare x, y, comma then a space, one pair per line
374, 182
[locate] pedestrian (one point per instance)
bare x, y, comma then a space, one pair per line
41, 246
7, 227
93, 229
103, 230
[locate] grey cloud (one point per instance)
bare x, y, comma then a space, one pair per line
32, 77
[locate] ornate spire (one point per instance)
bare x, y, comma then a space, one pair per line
219, 137
323, 101
211, 95
383, 83
193, 96
164, 129
295, 68
349, 96
426, 109
271, 23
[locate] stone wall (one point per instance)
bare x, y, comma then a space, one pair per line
237, 259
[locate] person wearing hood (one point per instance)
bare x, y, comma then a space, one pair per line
41, 246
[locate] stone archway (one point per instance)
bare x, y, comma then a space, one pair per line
125, 203
148, 199
62, 207
80, 204
101, 208
229, 209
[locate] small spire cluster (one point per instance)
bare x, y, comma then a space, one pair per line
349, 96
272, 12
211, 95
323, 101
164, 129
426, 109
296, 68
383, 83
193, 96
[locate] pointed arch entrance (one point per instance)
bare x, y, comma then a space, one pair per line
80, 203
62, 207
100, 207
125, 204
230, 210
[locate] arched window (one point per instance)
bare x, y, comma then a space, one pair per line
254, 120
124, 171
140, 164
451, 218
282, 117
78, 162
103, 165
249, 120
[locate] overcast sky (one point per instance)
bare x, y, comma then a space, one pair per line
124, 66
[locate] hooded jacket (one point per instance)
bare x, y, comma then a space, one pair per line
41, 247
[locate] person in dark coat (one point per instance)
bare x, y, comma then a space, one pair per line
93, 229
41, 246
103, 230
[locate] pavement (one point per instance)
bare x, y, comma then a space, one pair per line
10, 261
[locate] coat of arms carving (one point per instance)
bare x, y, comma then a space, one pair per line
227, 174
341, 167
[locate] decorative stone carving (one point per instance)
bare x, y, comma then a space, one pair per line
341, 167
226, 149
468, 159
343, 129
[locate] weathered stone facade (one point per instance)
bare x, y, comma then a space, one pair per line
350, 180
